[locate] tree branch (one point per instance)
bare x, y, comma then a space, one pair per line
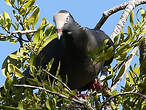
18, 32
115, 9
125, 93
127, 64
130, 6
54, 93
58, 80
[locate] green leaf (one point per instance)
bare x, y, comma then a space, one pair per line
12, 3
33, 81
40, 32
10, 68
129, 32
116, 39
34, 18
143, 14
121, 72
18, 72
14, 56
4, 38
36, 37
20, 106
7, 20
15, 25
49, 39
8, 2
8, 61
32, 61
15, 70
13, 41
132, 19
21, 1
48, 105
22, 11
114, 92
108, 78
29, 3
6, 16
106, 41
142, 11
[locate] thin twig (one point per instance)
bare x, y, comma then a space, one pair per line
41, 88
125, 93
54, 93
24, 32
18, 32
115, 9
57, 80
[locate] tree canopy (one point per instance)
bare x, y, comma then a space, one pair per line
15, 94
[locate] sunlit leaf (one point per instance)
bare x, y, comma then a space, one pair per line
8, 2
15, 70
49, 39
132, 19
121, 72
5, 38
129, 32
13, 41
48, 105
29, 3
18, 72
20, 106
7, 20
142, 11
34, 18
22, 11
7, 61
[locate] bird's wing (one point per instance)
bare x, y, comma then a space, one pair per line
51, 50
96, 39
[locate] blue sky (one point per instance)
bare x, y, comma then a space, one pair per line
86, 12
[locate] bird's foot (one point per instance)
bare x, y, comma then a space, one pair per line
97, 85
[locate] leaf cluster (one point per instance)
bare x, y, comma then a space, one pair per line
37, 91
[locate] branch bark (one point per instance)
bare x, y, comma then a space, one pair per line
123, 19
115, 9
125, 93
81, 102
48, 91
17, 32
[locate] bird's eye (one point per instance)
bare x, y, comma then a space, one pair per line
67, 19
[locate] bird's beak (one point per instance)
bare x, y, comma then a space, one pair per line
59, 32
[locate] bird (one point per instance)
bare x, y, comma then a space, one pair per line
71, 49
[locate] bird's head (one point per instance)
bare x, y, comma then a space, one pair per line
62, 20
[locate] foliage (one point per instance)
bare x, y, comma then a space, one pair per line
40, 93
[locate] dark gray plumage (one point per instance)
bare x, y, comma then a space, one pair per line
71, 49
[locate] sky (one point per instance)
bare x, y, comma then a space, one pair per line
86, 12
